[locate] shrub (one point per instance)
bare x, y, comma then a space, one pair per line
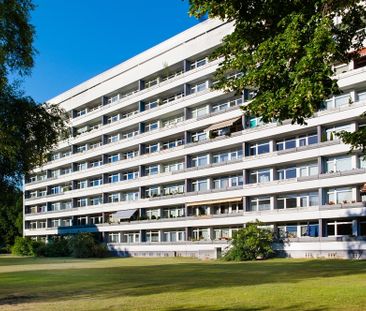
27, 247
85, 245
251, 243
58, 247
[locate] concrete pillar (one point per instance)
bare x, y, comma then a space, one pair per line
321, 196
321, 228
320, 165
245, 177
141, 127
187, 161
185, 113
140, 85
141, 106
355, 227
186, 89
186, 65
319, 132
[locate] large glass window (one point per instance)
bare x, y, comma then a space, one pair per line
259, 148
199, 111
335, 164
340, 195
152, 170
200, 185
199, 161
199, 87
173, 167
260, 176
286, 173
260, 204
199, 136
113, 158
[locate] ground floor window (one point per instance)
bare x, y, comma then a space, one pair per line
337, 228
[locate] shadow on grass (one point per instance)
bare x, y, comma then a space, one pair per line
138, 281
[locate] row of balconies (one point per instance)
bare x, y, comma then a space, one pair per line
197, 138
190, 163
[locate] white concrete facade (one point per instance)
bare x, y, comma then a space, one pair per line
161, 165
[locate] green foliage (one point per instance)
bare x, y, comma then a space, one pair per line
26, 247
82, 245
57, 247
16, 37
11, 215
285, 50
251, 243
85, 245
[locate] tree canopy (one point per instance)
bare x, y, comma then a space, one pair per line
28, 130
285, 51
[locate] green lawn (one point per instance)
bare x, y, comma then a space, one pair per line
180, 284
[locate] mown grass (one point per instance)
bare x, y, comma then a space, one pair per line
180, 284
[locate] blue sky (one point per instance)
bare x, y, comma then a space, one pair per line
77, 39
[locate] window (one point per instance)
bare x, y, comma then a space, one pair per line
81, 148
172, 98
113, 118
113, 138
81, 184
152, 148
172, 144
174, 189
227, 156
81, 202
310, 230
173, 121
308, 170
114, 237
199, 136
260, 204
129, 134
227, 105
152, 236
340, 195
200, 185
199, 161
199, 111
151, 126
95, 145
259, 148
331, 133
113, 158
152, 170
80, 113
255, 121
152, 192
286, 173
339, 164
151, 105
260, 176
82, 166
130, 196
338, 228
113, 99
96, 163
56, 190
96, 182
130, 175
112, 178
130, 154
294, 142
198, 63
96, 200
362, 162
173, 167
113, 197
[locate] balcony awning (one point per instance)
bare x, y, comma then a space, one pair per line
126, 214
223, 124
237, 199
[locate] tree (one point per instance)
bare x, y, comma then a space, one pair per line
11, 212
28, 131
251, 243
285, 51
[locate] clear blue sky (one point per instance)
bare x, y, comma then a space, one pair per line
77, 39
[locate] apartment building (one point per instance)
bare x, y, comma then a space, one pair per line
159, 164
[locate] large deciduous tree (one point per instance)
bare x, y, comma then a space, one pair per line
28, 131
285, 50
